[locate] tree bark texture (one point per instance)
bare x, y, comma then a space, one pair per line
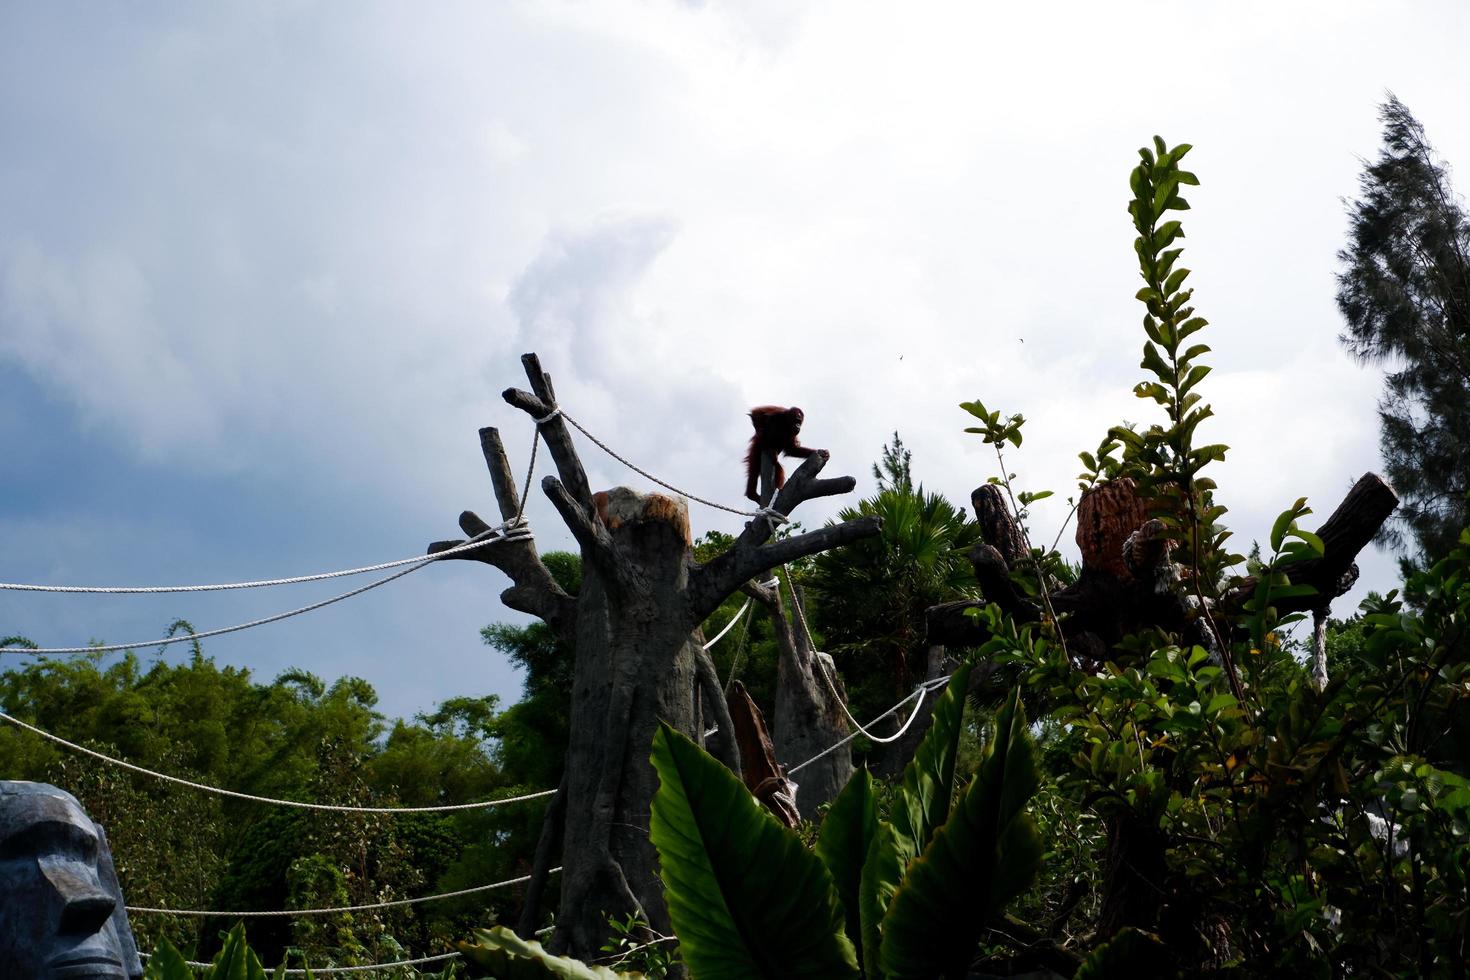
639, 659
807, 719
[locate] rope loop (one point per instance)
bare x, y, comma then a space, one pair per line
555, 411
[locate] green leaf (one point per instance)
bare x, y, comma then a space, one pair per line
1155, 362
1283, 523
1175, 278
1127, 955
167, 963
236, 960
977, 409
783, 921
502, 954
1191, 325
1313, 542
986, 854
1195, 376
921, 803
847, 833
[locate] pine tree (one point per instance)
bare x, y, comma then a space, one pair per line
1405, 293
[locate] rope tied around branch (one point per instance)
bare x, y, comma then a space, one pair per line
557, 411
513, 530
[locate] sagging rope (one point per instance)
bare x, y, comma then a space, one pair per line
261, 583
918, 692
442, 957
769, 513
291, 913
510, 531
832, 685
730, 625
298, 804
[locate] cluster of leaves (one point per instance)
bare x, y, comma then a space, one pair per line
907, 896
1296, 829
296, 738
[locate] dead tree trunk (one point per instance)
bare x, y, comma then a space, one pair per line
808, 719
634, 626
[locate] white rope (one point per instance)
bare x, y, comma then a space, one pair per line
832, 685
730, 625
291, 913
917, 692
763, 512
338, 969
327, 807
514, 530
480, 539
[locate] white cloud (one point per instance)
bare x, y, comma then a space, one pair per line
306, 244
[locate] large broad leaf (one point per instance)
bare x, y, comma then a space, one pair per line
984, 855
167, 963
847, 833
236, 960
1129, 954
746, 898
501, 954
921, 805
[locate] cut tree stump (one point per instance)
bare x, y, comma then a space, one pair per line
639, 656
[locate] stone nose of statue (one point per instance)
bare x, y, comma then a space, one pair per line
86, 912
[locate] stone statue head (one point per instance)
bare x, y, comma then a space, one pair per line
61, 910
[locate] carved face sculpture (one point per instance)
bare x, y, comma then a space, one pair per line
61, 910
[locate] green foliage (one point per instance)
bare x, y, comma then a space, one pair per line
1131, 953
710, 833
894, 470
501, 954
843, 841
978, 860
634, 943
297, 738
748, 899
1405, 294
871, 596
235, 961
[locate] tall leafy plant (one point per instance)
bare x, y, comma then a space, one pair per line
913, 892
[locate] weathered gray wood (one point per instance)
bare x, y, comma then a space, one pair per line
807, 720
638, 653
548, 848
507, 497
534, 591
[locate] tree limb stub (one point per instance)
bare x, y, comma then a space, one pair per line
507, 497
1344, 534
1113, 597
751, 556
711, 583
555, 431
534, 591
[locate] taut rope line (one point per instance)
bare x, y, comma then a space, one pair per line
286, 913
518, 533
328, 807
510, 528
337, 969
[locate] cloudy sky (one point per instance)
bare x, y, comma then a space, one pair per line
265, 268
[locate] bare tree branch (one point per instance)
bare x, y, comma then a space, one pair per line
535, 591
